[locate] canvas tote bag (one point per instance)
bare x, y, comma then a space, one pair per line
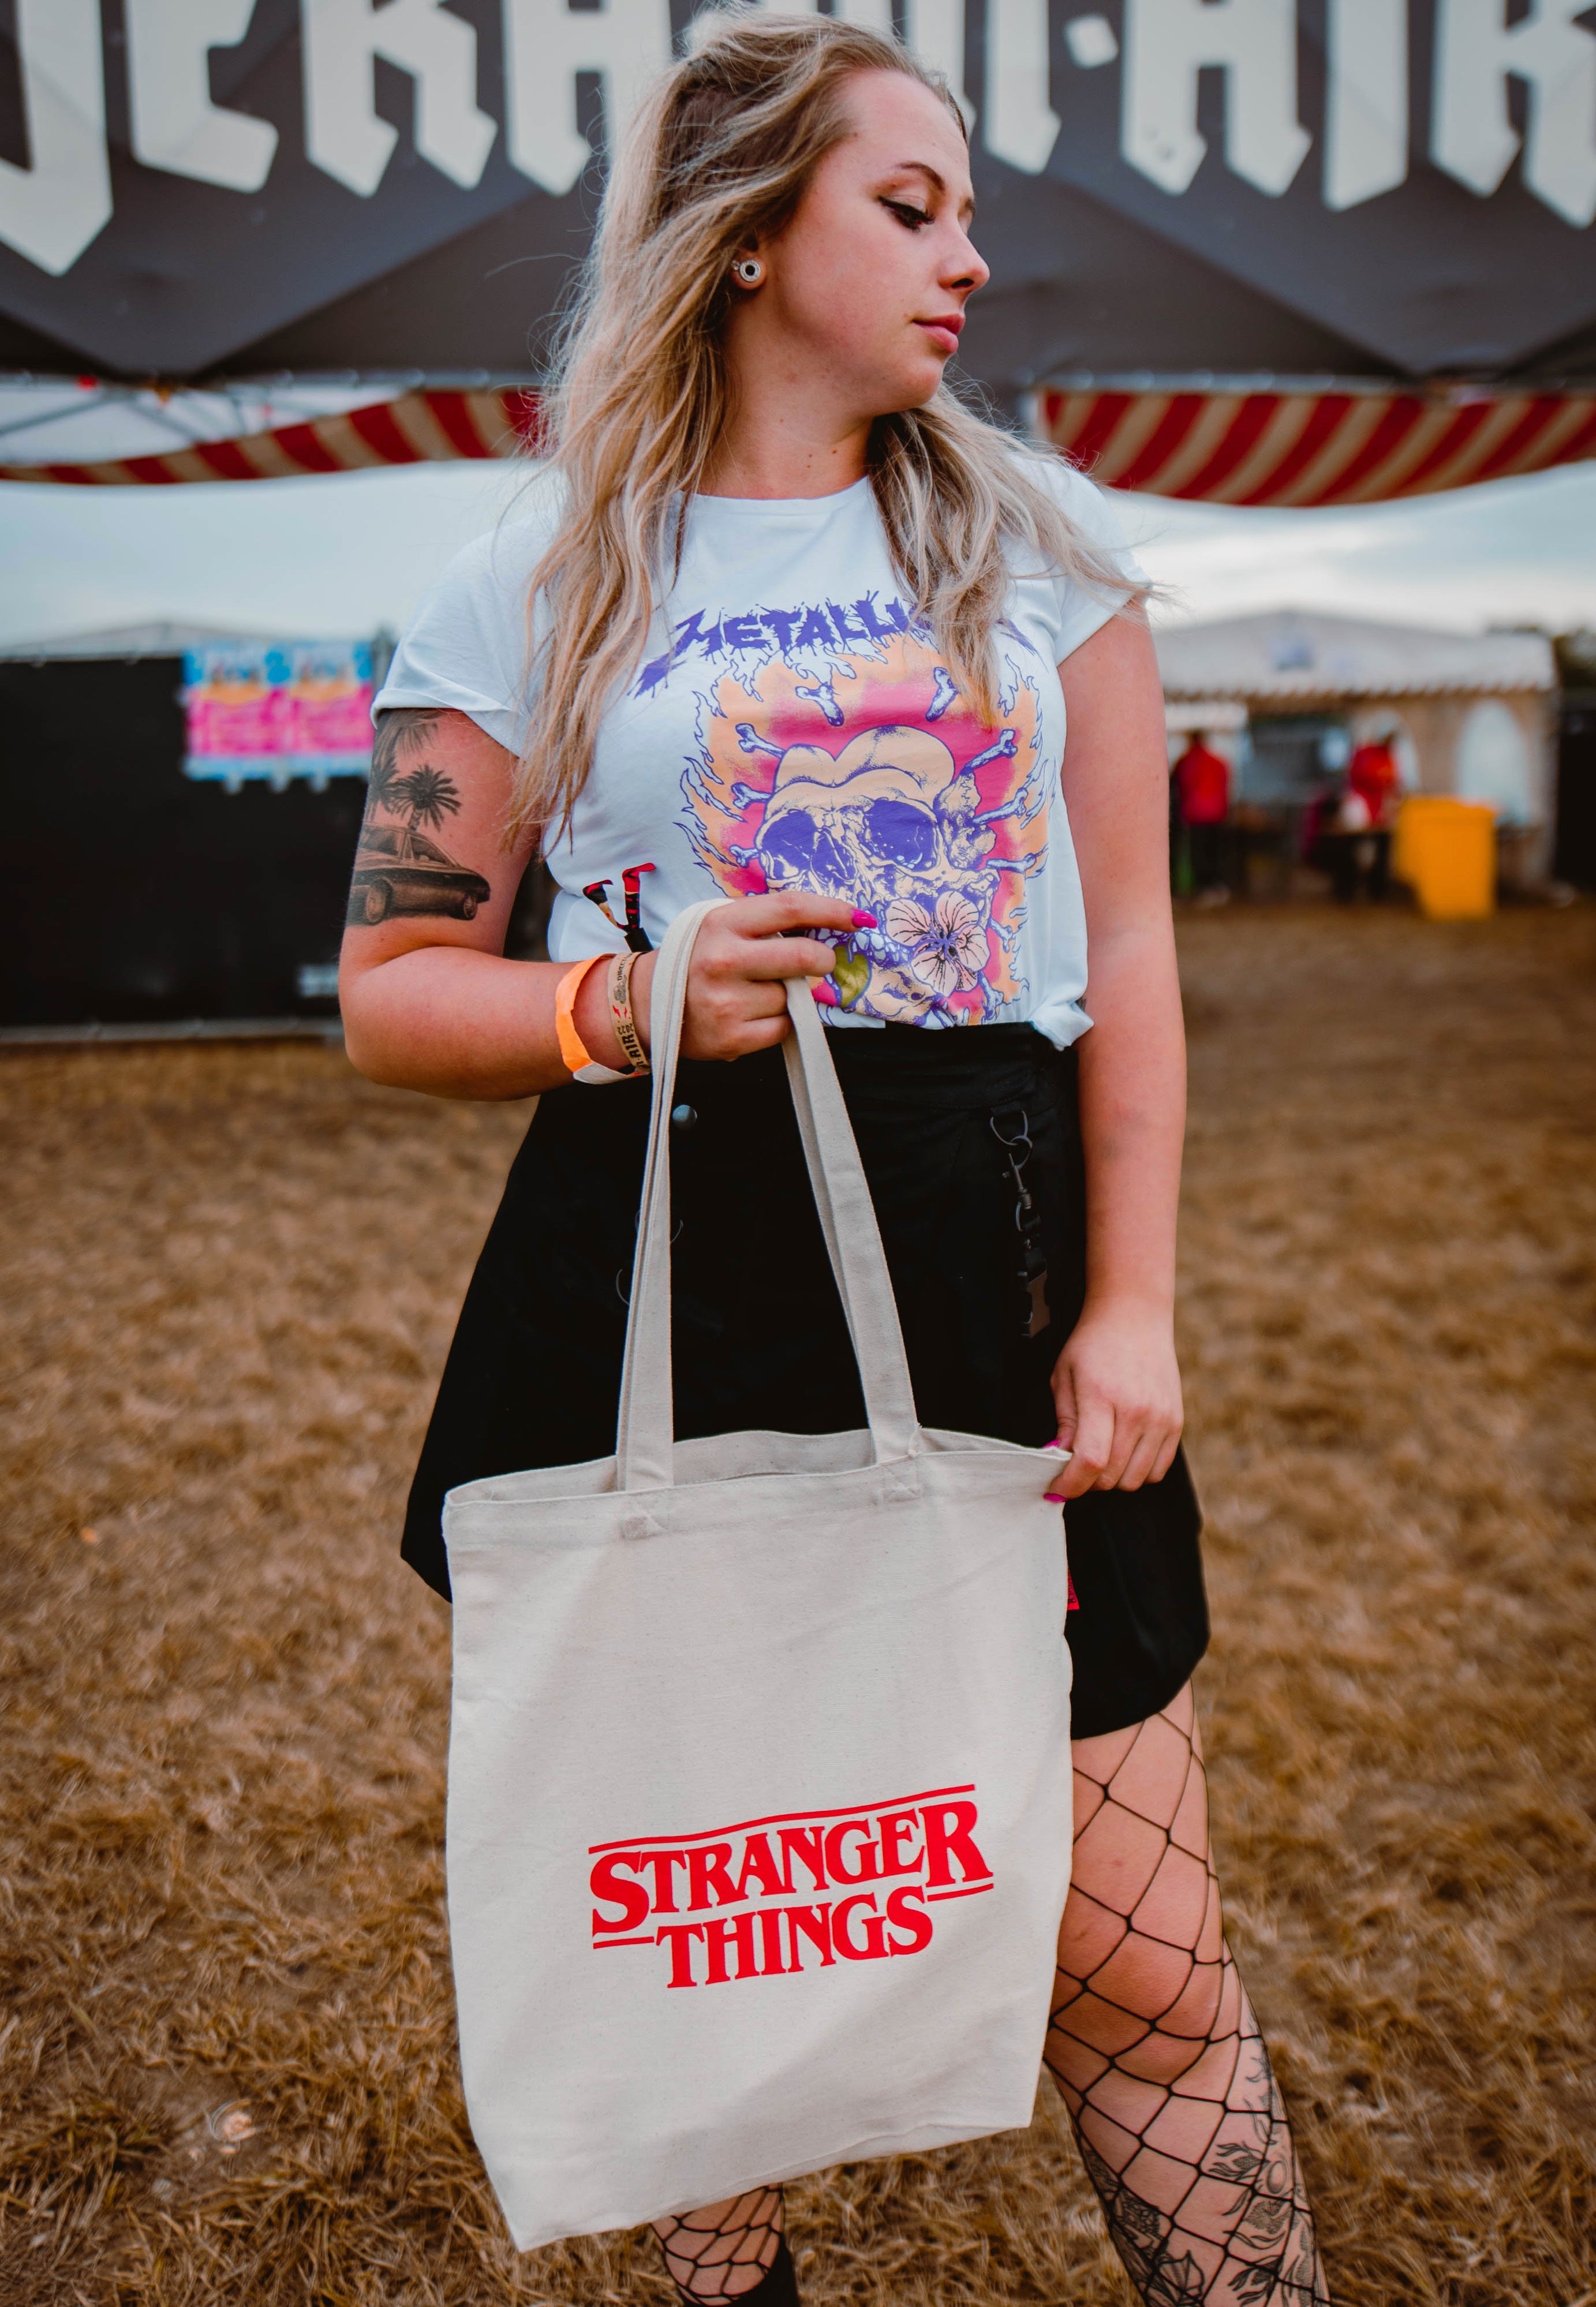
759, 1778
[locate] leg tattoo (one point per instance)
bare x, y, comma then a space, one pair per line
1154, 2047
722, 2253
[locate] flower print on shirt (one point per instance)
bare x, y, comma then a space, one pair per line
864, 774
946, 949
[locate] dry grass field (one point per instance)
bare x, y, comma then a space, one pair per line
227, 2071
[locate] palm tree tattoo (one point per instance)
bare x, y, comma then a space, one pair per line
429, 796
399, 866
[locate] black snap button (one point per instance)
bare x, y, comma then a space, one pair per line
684, 1117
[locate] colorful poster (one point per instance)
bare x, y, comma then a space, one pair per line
277, 711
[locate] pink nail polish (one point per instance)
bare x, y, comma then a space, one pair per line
1057, 1443
865, 921
825, 994
1055, 1497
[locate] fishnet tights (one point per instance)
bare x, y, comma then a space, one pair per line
723, 2251
1154, 2047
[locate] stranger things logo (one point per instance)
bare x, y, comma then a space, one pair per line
801, 1890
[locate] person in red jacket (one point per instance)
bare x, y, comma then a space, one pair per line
1374, 776
1202, 804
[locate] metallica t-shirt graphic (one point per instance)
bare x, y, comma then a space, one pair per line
853, 769
792, 726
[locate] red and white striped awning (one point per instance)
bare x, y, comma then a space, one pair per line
413, 429
1301, 446
1286, 445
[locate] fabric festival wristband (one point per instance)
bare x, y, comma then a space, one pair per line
621, 1016
574, 1053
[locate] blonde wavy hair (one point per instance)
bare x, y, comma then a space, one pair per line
719, 155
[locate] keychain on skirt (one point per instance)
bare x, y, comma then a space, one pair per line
1027, 1220
1032, 1269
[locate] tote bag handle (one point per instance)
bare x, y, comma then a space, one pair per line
847, 1220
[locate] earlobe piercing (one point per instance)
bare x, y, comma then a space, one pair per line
748, 271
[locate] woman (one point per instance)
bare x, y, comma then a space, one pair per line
784, 620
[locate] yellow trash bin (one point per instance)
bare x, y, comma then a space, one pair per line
1445, 851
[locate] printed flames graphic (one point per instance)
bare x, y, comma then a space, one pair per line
875, 782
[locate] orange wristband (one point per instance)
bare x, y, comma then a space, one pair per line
574, 1055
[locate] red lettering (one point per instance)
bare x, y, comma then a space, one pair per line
896, 1828
677, 1936
662, 1861
770, 1938
936, 1842
629, 1895
759, 1861
802, 1842
706, 1875
815, 1923
906, 1913
873, 1945
835, 1856
717, 1935
947, 1836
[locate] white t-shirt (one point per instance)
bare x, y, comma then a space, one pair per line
792, 726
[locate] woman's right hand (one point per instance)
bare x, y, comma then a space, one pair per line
744, 952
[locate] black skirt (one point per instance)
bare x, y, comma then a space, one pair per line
758, 1340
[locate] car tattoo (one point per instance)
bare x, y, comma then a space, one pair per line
398, 871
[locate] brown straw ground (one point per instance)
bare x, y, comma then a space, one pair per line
226, 2069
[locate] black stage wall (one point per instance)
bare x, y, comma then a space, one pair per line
1575, 859
131, 892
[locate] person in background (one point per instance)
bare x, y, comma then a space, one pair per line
1348, 829
1203, 804
1373, 775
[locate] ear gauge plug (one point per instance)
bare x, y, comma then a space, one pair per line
748, 272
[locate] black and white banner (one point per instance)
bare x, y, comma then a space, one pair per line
206, 187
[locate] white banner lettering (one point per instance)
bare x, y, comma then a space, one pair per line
51, 210
1018, 122
546, 44
174, 124
935, 30
1474, 139
1366, 100
1167, 43
344, 134
875, 13
55, 196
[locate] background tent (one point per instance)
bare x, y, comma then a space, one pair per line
1238, 237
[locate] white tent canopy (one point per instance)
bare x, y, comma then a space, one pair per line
1288, 656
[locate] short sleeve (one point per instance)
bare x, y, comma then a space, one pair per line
1081, 609
467, 646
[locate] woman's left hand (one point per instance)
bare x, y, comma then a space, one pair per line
1117, 1393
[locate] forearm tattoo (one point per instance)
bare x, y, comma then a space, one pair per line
399, 868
